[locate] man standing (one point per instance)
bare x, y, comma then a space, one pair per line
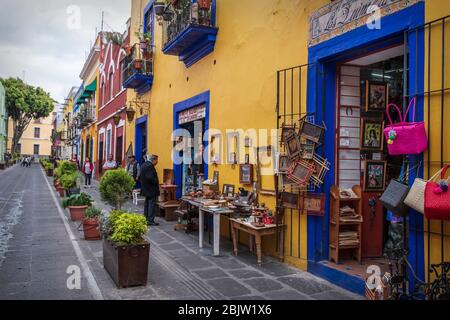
133, 169
150, 188
111, 164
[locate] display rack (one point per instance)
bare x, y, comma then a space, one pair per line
340, 227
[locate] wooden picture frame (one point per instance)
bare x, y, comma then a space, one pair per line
283, 164
247, 158
246, 174
321, 167
228, 190
372, 134
374, 175
300, 172
286, 131
259, 185
232, 158
289, 200
377, 96
307, 151
311, 132
293, 146
313, 204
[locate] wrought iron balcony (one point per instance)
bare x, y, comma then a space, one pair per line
189, 30
85, 117
137, 69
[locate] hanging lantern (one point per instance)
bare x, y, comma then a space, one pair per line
116, 119
130, 114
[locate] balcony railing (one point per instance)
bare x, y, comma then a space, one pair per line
137, 69
85, 117
189, 30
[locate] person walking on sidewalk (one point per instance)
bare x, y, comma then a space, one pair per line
88, 170
150, 188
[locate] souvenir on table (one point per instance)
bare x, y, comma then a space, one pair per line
311, 132
300, 172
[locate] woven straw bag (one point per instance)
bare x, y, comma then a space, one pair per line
416, 196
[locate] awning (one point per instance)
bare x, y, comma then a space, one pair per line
88, 90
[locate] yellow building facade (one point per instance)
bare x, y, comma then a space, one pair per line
239, 86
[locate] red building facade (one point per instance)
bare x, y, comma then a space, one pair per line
111, 114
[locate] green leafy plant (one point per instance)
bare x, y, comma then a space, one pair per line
57, 173
115, 186
78, 200
93, 213
69, 180
67, 167
129, 229
108, 221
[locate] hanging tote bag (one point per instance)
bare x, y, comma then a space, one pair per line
395, 194
416, 196
437, 198
405, 137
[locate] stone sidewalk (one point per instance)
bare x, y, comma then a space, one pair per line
180, 270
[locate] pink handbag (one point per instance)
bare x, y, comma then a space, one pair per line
405, 138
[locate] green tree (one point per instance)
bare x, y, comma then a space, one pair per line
25, 103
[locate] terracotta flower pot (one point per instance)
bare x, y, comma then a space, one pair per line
204, 4
91, 230
61, 191
77, 213
50, 173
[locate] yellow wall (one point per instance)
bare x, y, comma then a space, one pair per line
28, 141
435, 9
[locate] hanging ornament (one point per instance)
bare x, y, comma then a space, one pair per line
443, 184
392, 136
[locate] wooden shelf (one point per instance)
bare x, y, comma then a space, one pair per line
337, 226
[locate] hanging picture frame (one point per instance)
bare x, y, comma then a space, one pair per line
376, 96
228, 190
246, 174
311, 132
307, 151
283, 164
312, 204
372, 137
289, 200
300, 172
374, 175
321, 167
293, 146
286, 131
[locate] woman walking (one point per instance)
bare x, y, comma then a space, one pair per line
88, 170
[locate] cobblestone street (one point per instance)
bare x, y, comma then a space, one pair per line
38, 243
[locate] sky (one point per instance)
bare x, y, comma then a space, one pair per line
47, 41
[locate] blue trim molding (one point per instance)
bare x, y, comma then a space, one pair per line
323, 60
141, 126
203, 98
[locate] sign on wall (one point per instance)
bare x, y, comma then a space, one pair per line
342, 16
193, 114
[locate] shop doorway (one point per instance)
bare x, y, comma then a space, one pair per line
364, 87
141, 139
100, 157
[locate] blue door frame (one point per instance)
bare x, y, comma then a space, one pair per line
141, 126
323, 59
203, 98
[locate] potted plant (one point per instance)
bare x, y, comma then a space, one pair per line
125, 251
91, 224
115, 186
78, 205
69, 181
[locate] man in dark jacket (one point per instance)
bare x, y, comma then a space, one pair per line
150, 188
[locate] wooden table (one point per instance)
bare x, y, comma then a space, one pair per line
199, 203
256, 234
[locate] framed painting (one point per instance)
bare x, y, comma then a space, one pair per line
289, 200
372, 137
307, 151
293, 146
246, 174
312, 204
321, 167
311, 132
300, 172
376, 96
286, 131
228, 190
374, 175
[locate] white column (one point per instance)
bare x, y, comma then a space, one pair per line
216, 234
201, 227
